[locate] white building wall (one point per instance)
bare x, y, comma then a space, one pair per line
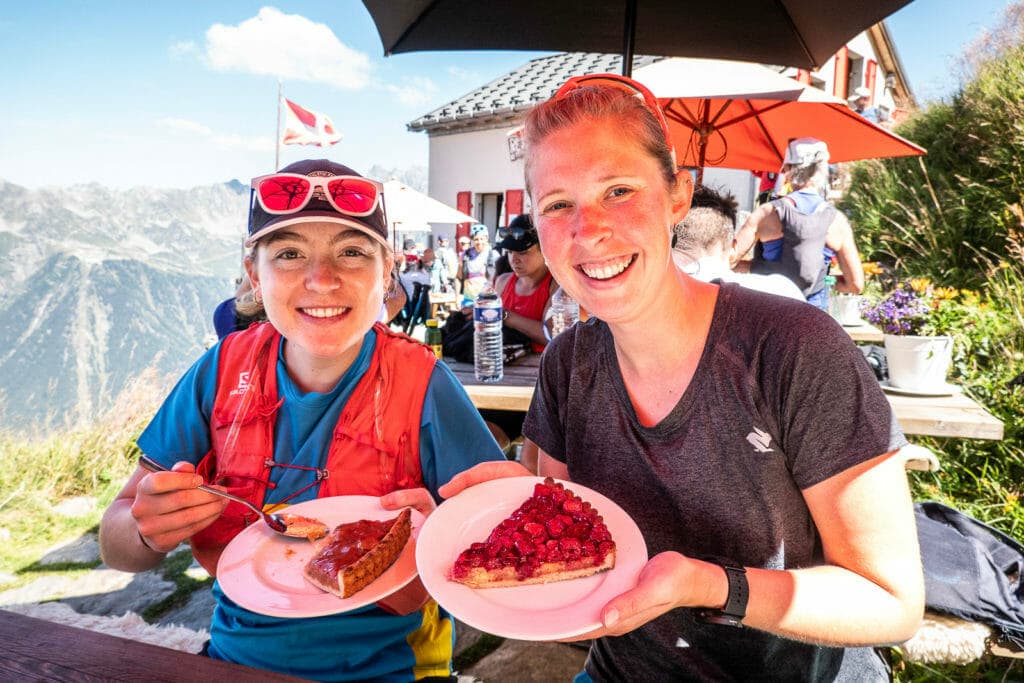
741, 184
477, 161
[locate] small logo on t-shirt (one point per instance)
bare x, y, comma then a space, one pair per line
681, 643
760, 440
243, 384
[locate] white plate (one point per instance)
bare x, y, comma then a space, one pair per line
262, 571
860, 322
947, 390
537, 612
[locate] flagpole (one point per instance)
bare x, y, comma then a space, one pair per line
277, 138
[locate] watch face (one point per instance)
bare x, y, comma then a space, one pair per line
720, 618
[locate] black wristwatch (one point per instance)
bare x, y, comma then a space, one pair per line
736, 605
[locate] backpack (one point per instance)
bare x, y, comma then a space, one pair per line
457, 339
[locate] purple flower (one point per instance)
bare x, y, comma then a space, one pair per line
904, 311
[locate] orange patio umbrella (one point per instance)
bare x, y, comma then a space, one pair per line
742, 115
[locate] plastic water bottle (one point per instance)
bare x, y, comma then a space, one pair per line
564, 312
830, 296
488, 349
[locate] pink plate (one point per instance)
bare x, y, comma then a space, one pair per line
262, 571
539, 612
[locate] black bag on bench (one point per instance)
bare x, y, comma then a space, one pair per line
972, 571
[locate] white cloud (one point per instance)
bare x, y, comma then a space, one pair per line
417, 91
183, 48
287, 46
202, 133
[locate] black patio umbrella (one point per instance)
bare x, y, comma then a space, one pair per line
799, 33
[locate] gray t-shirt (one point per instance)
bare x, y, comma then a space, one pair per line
781, 400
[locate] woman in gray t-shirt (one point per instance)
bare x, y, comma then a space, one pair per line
742, 432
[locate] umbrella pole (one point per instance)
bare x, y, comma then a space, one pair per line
702, 141
629, 38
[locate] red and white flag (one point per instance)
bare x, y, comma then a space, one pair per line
305, 127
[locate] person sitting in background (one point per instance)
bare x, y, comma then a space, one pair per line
227, 318
798, 235
448, 261
395, 298
859, 101
704, 245
526, 290
477, 266
410, 258
305, 399
464, 244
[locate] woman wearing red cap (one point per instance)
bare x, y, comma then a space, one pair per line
320, 401
774, 507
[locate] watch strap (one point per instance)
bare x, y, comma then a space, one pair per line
736, 604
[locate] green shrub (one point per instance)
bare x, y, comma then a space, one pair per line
939, 213
956, 217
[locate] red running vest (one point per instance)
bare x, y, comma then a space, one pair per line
375, 448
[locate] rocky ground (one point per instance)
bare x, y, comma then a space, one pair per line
177, 593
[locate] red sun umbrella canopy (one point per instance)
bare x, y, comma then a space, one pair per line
739, 115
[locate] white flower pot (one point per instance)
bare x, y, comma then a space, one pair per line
918, 363
845, 308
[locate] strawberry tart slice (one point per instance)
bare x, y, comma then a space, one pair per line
553, 536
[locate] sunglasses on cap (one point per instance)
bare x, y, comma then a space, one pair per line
622, 83
517, 233
284, 193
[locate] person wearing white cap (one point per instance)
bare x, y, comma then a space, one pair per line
477, 265
859, 102
797, 235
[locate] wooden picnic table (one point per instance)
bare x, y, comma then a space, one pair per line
38, 650
449, 301
953, 416
865, 332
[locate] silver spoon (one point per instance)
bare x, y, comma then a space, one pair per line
273, 521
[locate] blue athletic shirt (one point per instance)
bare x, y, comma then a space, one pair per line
365, 644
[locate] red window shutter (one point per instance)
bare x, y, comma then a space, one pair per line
870, 73
464, 203
513, 204
803, 76
842, 73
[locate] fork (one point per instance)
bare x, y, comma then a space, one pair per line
273, 521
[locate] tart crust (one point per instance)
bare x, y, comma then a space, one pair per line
356, 553
303, 527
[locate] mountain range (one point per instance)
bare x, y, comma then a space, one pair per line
101, 284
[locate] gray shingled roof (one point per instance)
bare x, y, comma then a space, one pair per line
505, 98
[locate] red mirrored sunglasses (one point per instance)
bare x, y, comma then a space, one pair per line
622, 83
284, 193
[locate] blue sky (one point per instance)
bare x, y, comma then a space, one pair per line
180, 94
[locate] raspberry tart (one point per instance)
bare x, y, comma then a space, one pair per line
553, 536
354, 554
